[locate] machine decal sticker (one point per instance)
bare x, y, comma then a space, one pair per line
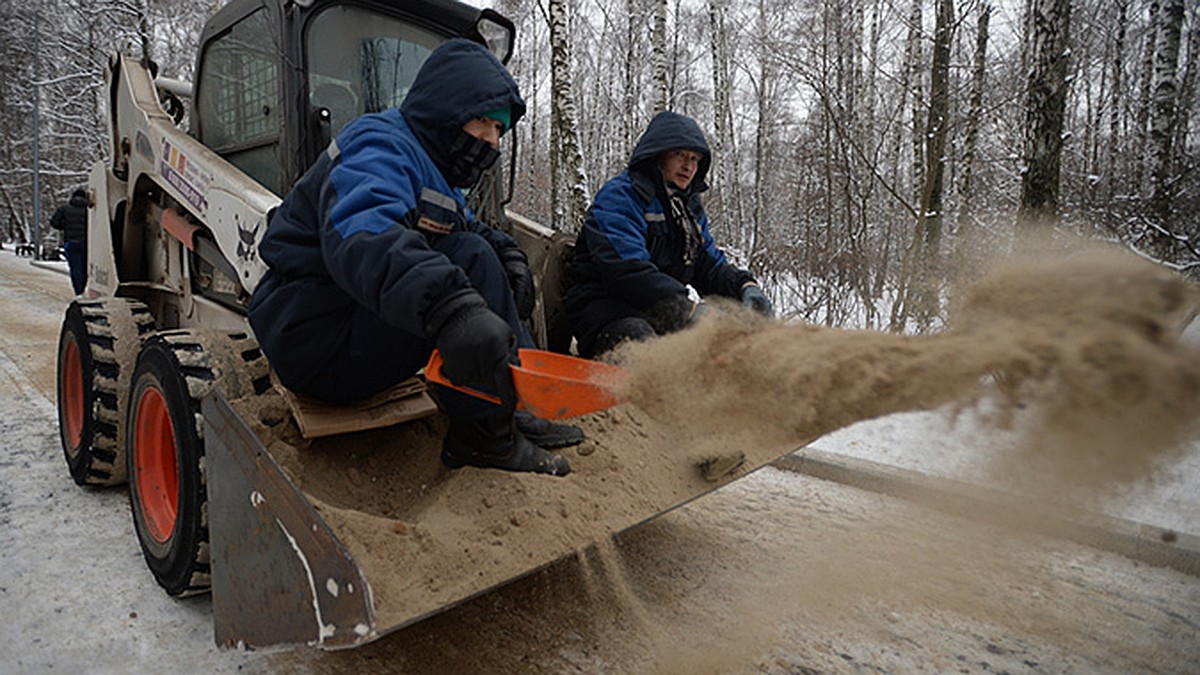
191, 180
245, 247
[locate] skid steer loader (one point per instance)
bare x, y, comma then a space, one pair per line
154, 351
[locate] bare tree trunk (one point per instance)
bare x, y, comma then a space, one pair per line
912, 56
904, 77
1045, 107
1114, 122
871, 83
874, 269
631, 93
913, 88
1143, 111
722, 117
1093, 108
1166, 92
974, 115
727, 156
566, 160
853, 59
929, 228
871, 91
1026, 33
145, 33
1187, 88
766, 78
819, 262
659, 57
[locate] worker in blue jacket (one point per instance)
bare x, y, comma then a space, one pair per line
646, 240
374, 260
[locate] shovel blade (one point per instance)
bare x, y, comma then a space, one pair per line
550, 385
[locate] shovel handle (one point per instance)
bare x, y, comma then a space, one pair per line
433, 373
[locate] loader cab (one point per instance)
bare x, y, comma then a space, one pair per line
277, 79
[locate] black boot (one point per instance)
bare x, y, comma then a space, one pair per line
546, 433
495, 443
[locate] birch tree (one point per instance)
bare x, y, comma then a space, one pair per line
1164, 95
974, 114
724, 205
566, 160
632, 93
658, 59
1045, 105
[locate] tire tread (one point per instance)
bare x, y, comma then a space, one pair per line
206, 360
103, 320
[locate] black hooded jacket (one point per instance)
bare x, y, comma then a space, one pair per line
634, 255
71, 217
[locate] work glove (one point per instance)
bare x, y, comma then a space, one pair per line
477, 346
516, 266
753, 298
671, 314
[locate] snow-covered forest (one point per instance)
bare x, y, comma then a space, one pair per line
866, 151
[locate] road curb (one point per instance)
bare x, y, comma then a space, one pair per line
1138, 541
50, 265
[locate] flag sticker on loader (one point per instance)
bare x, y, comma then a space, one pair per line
191, 180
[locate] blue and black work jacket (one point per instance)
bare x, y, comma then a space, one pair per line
355, 230
637, 253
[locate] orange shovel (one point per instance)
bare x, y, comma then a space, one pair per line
550, 385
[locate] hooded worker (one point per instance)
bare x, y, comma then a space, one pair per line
72, 219
374, 260
646, 240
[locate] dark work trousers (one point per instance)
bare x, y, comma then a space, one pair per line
377, 355
77, 264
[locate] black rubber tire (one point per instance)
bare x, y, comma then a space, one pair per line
181, 367
96, 350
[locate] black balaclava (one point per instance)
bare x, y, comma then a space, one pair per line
468, 157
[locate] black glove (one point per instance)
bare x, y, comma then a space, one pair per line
753, 298
671, 314
516, 266
477, 346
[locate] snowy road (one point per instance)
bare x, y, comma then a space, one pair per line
776, 573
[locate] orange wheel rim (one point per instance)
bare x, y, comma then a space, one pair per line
157, 471
72, 389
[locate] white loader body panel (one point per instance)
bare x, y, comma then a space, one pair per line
151, 153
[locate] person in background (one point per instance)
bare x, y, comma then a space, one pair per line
374, 260
645, 240
71, 219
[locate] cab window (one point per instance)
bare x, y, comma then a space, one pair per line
240, 104
362, 62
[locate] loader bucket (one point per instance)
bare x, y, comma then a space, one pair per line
303, 555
